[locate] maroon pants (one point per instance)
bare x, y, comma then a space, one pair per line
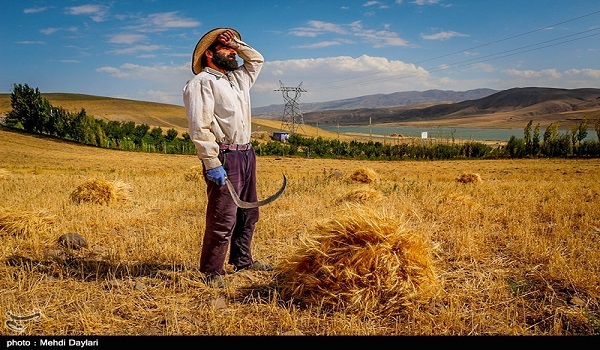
227, 226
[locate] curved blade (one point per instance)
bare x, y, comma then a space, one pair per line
242, 204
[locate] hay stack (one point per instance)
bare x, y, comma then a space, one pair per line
99, 191
364, 175
15, 222
469, 178
361, 195
361, 262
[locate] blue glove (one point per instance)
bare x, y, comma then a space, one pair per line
217, 175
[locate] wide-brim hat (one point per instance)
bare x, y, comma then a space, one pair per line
203, 44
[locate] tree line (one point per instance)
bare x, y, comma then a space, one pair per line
34, 114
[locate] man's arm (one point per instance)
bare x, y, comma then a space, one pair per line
199, 106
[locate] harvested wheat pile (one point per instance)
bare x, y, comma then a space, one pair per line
194, 173
361, 262
99, 191
469, 178
15, 222
364, 175
361, 195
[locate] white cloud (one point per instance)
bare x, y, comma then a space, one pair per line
426, 2
376, 38
126, 38
29, 42
548, 73
591, 73
35, 10
371, 3
318, 45
97, 13
442, 35
158, 22
339, 77
135, 49
49, 31
160, 96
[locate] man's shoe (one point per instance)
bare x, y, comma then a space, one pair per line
256, 266
215, 281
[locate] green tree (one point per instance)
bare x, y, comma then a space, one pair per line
114, 132
528, 138
128, 128
554, 144
60, 119
81, 130
171, 135
573, 135
157, 138
582, 131
535, 142
29, 109
515, 147
138, 134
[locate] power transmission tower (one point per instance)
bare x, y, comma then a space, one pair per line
292, 116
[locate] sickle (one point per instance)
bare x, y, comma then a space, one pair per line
240, 203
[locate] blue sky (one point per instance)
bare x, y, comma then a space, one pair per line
141, 49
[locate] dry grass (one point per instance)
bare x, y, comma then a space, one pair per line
415, 252
194, 173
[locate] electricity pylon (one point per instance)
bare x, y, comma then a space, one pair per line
292, 116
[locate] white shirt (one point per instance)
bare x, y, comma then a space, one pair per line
218, 106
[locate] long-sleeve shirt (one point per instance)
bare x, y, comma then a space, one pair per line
218, 105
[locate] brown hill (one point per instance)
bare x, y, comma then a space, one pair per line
509, 108
154, 114
512, 108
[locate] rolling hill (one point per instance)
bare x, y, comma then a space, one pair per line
509, 108
512, 108
396, 99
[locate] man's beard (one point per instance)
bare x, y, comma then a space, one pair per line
224, 62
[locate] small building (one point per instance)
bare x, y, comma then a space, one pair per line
280, 136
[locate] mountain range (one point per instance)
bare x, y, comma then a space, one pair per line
480, 107
405, 98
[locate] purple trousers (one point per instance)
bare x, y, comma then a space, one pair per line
227, 226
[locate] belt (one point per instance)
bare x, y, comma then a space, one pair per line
235, 146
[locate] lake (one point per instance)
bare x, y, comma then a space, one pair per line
475, 134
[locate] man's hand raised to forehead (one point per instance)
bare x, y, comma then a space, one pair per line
226, 37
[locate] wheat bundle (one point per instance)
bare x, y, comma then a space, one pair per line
98, 191
362, 262
361, 195
364, 175
469, 178
16, 222
194, 173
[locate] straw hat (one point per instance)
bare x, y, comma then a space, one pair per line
203, 44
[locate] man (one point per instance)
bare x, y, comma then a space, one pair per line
217, 104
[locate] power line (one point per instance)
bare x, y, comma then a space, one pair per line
336, 83
490, 57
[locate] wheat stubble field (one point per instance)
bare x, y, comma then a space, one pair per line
511, 246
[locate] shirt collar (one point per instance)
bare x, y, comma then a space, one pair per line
214, 72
